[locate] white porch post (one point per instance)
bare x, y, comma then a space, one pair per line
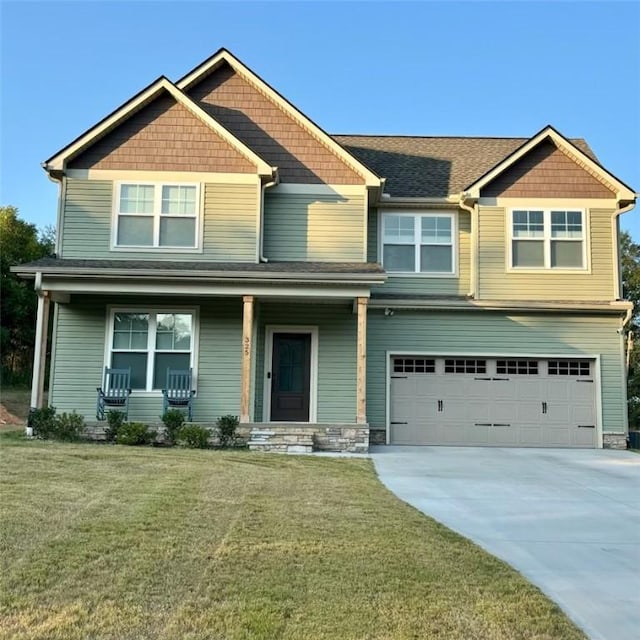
361, 355
39, 353
247, 348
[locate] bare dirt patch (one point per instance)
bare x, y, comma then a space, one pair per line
8, 420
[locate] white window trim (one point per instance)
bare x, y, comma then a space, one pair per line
157, 185
195, 340
417, 243
547, 239
268, 362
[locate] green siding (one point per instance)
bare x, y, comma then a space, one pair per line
494, 334
79, 358
313, 227
336, 359
230, 223
496, 283
423, 285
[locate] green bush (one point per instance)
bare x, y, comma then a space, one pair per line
49, 426
43, 422
194, 436
134, 433
115, 419
68, 427
227, 426
173, 420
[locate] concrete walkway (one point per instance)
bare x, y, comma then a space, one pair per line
568, 520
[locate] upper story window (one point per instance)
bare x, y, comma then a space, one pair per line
547, 239
152, 215
418, 242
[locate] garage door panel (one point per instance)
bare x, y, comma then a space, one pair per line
471, 401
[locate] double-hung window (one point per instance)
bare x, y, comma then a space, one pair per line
418, 243
149, 342
547, 239
152, 215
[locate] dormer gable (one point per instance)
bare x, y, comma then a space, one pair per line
549, 165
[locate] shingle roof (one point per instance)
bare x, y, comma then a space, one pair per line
432, 167
265, 268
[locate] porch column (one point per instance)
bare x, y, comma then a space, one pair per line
39, 352
247, 348
361, 370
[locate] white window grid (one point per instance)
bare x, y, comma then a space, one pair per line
151, 349
157, 214
416, 239
531, 233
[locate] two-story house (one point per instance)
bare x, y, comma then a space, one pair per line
408, 290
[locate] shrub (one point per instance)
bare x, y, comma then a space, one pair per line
68, 427
227, 426
43, 422
173, 420
194, 436
134, 433
115, 420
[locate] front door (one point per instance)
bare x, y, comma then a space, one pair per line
290, 377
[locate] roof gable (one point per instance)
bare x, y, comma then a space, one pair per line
549, 134
271, 125
161, 89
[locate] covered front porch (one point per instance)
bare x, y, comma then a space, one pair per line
284, 353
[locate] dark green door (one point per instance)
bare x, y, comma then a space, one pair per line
290, 377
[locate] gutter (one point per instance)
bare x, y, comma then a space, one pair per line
474, 266
263, 187
499, 305
615, 233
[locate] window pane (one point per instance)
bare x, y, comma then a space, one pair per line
527, 253
164, 361
173, 331
134, 231
528, 224
566, 254
136, 198
398, 228
177, 199
566, 224
177, 232
130, 330
399, 257
436, 229
436, 258
138, 364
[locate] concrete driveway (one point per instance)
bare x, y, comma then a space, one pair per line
568, 520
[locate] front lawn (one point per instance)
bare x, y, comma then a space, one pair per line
104, 541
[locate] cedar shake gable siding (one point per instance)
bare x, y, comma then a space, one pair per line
546, 172
163, 136
433, 167
269, 131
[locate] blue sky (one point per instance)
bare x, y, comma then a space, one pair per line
419, 68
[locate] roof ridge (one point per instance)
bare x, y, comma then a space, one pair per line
425, 137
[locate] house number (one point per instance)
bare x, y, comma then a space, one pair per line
247, 346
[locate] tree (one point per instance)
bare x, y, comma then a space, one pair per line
630, 264
20, 242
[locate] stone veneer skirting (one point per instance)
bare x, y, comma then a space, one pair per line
614, 440
292, 437
281, 437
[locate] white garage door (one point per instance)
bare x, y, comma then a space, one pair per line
493, 401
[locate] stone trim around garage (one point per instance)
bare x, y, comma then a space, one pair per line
294, 437
614, 440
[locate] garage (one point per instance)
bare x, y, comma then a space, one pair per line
505, 402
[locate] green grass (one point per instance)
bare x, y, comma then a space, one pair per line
104, 542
